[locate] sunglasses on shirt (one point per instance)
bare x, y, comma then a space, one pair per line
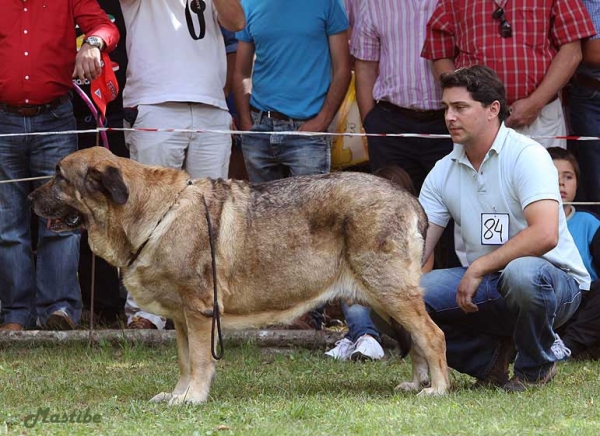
504, 27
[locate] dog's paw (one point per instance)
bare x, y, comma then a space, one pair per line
186, 398
408, 386
431, 392
163, 396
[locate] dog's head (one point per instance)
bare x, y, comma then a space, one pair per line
84, 182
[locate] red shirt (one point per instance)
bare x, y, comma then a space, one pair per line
38, 48
464, 30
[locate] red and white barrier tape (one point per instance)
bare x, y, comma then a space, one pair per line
284, 133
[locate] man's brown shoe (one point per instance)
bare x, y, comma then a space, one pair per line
139, 323
12, 327
59, 320
498, 375
520, 384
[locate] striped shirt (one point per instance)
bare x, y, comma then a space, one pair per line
392, 32
464, 30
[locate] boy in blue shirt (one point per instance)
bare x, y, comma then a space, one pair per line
581, 334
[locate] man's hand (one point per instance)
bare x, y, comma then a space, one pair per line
523, 113
88, 63
314, 125
467, 288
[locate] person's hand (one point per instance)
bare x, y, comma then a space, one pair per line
244, 125
467, 288
522, 113
314, 125
88, 63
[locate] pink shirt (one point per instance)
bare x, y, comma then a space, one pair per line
392, 32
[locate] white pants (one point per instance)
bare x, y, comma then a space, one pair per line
199, 154
550, 122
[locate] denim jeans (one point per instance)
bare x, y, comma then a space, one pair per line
31, 285
359, 322
526, 302
584, 113
273, 157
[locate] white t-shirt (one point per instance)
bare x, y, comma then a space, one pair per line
164, 63
488, 205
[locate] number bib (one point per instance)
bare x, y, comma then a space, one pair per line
494, 228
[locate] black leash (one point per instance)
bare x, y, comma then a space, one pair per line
198, 7
216, 318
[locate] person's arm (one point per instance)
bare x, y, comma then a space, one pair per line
242, 83
525, 111
441, 66
94, 22
434, 233
340, 65
539, 237
230, 14
366, 75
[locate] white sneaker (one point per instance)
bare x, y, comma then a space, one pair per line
560, 350
342, 350
367, 348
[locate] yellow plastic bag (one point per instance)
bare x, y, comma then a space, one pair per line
347, 151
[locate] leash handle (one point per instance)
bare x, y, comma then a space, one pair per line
216, 318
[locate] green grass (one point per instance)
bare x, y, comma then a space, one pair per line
261, 393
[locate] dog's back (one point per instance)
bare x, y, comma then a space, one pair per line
305, 240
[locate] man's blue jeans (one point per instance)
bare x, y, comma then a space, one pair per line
32, 286
359, 322
273, 157
526, 302
584, 113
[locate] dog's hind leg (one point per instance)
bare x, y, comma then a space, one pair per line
420, 372
184, 364
429, 345
196, 377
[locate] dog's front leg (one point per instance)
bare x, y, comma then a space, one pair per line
194, 387
184, 364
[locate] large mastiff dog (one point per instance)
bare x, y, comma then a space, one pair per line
282, 248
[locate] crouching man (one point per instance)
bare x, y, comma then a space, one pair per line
525, 275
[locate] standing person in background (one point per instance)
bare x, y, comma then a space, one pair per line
534, 46
38, 63
296, 83
584, 112
175, 79
395, 89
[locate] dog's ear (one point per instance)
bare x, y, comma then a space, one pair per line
109, 181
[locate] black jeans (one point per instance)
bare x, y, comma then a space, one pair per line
582, 331
416, 156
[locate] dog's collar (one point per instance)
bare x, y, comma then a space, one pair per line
139, 250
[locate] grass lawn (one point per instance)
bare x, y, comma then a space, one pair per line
259, 392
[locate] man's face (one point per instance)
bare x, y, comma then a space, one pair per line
567, 181
466, 118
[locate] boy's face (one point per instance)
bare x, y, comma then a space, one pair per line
567, 182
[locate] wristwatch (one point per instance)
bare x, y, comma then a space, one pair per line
94, 41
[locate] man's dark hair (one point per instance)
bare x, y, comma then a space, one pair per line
482, 83
557, 153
